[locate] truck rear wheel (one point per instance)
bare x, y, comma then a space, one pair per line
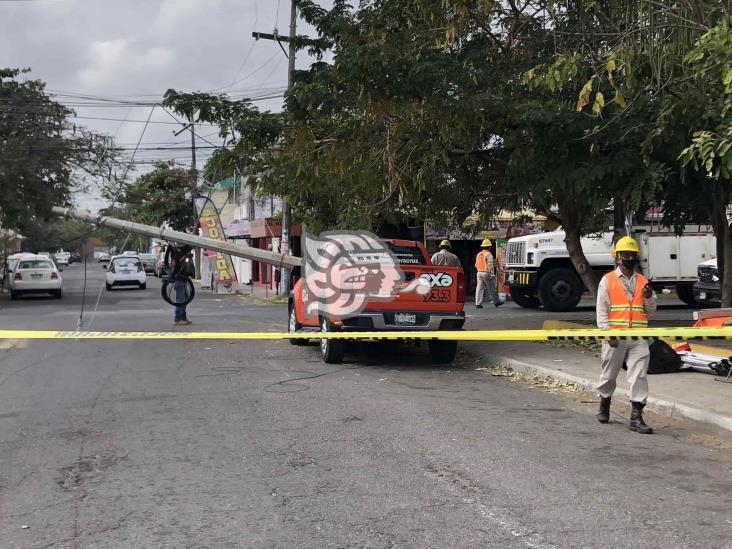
294, 326
685, 291
524, 298
443, 351
332, 350
560, 290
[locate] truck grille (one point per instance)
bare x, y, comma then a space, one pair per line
516, 254
706, 273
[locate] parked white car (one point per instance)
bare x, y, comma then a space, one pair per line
34, 274
62, 258
10, 263
125, 270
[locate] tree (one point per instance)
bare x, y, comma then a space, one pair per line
250, 136
445, 110
55, 234
710, 151
114, 238
161, 196
433, 109
40, 151
675, 59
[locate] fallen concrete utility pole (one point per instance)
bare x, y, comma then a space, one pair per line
255, 254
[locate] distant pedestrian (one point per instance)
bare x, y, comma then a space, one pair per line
624, 300
445, 257
277, 279
182, 270
485, 267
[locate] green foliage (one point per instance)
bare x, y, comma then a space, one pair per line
249, 134
710, 153
56, 234
112, 237
710, 60
161, 196
455, 109
40, 151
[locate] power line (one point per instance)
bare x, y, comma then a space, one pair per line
251, 49
30, 107
113, 97
79, 149
255, 71
263, 93
135, 121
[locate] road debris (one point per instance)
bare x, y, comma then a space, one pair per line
547, 383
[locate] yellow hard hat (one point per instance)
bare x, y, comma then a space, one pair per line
486, 243
445, 243
626, 244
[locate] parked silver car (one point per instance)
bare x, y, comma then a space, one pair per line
148, 261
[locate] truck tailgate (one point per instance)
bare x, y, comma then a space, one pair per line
446, 290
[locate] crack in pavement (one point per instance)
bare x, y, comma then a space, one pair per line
474, 496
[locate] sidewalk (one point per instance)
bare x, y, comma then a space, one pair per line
264, 295
691, 395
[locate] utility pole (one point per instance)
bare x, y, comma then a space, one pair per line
194, 186
194, 169
292, 51
194, 191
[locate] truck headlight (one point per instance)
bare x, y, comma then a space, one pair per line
530, 257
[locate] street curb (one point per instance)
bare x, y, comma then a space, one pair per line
658, 405
697, 347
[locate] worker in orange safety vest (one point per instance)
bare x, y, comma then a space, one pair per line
484, 266
624, 300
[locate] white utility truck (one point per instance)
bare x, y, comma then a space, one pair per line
539, 272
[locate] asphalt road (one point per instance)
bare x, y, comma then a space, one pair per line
251, 444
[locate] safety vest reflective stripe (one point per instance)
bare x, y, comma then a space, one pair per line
482, 262
624, 312
624, 323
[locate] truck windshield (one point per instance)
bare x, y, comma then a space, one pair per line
407, 255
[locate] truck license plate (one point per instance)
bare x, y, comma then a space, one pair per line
702, 295
405, 319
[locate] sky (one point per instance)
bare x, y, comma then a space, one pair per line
132, 51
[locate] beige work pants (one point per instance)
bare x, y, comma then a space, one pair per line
636, 355
486, 281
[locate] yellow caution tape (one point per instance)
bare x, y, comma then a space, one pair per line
458, 335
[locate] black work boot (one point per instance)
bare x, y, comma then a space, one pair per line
603, 416
636, 419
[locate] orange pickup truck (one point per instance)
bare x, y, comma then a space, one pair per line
425, 298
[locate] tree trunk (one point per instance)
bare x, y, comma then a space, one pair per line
619, 216
573, 233
726, 276
723, 233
